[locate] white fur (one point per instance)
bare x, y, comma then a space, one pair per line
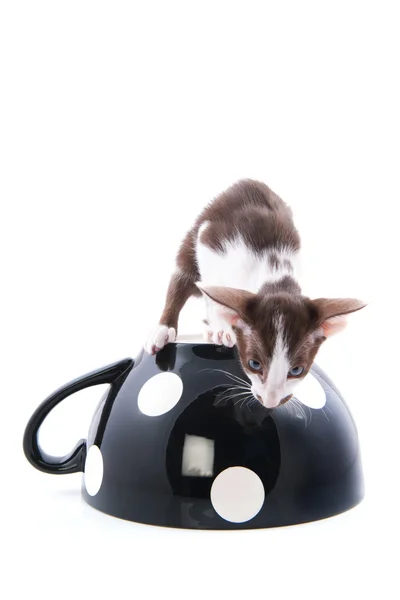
239, 267
277, 386
159, 337
273, 390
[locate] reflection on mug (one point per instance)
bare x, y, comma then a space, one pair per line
198, 456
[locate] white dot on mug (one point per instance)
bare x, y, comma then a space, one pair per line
94, 470
237, 494
310, 392
160, 394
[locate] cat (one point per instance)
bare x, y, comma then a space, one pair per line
242, 256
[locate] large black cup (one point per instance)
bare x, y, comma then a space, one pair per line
177, 442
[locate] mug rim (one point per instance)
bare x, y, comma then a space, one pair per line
192, 338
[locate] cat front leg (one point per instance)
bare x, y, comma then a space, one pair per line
217, 330
180, 288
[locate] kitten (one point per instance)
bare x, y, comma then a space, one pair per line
242, 255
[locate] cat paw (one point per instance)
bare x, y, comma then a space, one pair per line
159, 337
220, 337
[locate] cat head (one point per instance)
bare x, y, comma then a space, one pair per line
278, 335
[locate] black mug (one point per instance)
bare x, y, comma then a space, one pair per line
177, 440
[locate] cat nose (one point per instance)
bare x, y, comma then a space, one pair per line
265, 404
272, 400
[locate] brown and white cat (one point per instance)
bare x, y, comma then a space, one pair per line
242, 254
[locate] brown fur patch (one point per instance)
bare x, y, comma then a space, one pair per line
273, 260
286, 285
180, 288
253, 210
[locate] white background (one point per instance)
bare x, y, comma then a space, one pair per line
119, 121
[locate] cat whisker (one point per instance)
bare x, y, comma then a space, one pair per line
237, 395
246, 403
238, 387
236, 379
325, 415
299, 411
231, 389
224, 395
302, 412
249, 404
288, 406
230, 375
228, 398
240, 400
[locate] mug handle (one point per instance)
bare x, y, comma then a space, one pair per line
75, 460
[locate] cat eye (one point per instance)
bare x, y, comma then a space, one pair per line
296, 371
255, 365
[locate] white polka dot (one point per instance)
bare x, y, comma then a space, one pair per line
237, 494
93, 470
160, 394
310, 392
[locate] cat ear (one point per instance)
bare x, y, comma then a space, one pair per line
231, 303
332, 313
